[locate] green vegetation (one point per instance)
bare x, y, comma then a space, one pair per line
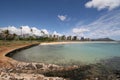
7, 36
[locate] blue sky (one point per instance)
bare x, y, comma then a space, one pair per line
89, 18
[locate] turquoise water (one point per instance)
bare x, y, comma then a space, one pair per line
69, 53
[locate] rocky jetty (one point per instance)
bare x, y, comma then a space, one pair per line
24, 76
29, 71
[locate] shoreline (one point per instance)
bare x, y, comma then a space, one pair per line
75, 42
13, 69
4, 54
19, 49
10, 67
6, 61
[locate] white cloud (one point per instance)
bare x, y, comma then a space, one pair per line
25, 30
56, 33
62, 17
107, 25
12, 29
45, 31
103, 4
36, 31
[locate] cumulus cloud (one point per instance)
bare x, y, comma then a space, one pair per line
103, 4
45, 31
107, 25
36, 31
56, 33
25, 30
12, 29
62, 17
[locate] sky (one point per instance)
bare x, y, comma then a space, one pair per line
88, 18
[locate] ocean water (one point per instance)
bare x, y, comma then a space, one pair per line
70, 53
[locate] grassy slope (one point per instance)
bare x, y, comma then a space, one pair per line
6, 46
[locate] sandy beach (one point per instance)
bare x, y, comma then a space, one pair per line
55, 43
74, 42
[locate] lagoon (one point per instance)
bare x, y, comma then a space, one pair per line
82, 53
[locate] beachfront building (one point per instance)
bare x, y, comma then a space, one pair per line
63, 37
82, 39
55, 37
69, 38
74, 38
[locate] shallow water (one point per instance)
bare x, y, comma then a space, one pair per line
69, 53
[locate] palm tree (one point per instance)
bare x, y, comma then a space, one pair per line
31, 30
0, 33
31, 35
6, 34
63, 37
14, 36
21, 32
42, 32
0, 30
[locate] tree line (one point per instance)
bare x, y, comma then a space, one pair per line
6, 35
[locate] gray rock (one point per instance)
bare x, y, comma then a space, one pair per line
39, 66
